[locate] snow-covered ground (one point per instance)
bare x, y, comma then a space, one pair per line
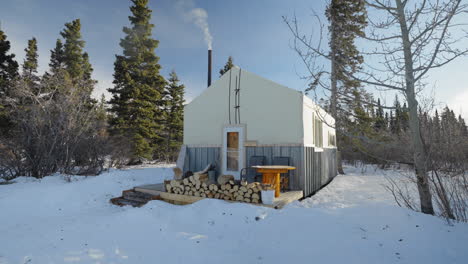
352, 220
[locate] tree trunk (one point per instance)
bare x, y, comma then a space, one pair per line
334, 90
419, 155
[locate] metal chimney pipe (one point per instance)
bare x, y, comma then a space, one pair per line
209, 68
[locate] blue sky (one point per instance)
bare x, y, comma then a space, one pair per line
253, 32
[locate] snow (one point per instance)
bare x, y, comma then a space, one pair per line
352, 220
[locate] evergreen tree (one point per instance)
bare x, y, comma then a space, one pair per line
30, 62
8, 66
30, 66
404, 117
8, 73
436, 127
387, 121
137, 96
175, 114
87, 67
229, 64
391, 122
57, 58
75, 60
463, 127
379, 117
347, 20
396, 129
73, 49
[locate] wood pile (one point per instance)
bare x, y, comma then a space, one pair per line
226, 188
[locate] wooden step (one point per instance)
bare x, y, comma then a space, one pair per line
137, 196
133, 198
120, 201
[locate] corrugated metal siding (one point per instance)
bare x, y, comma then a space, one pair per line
295, 159
313, 169
197, 158
319, 169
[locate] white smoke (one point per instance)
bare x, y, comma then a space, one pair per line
198, 16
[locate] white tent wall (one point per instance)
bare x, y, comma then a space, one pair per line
278, 123
311, 109
271, 112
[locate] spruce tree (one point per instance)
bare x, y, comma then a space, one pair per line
391, 122
175, 114
229, 64
8, 66
347, 20
75, 60
379, 117
57, 60
30, 62
137, 96
404, 117
463, 127
387, 121
8, 73
30, 66
436, 128
398, 116
73, 49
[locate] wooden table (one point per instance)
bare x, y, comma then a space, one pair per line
271, 175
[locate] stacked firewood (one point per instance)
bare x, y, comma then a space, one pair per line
225, 188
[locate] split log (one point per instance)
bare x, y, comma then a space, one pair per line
232, 182
252, 185
177, 173
255, 201
223, 179
255, 196
174, 183
247, 200
200, 177
192, 179
243, 188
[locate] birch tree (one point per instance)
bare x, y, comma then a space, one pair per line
414, 38
405, 40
